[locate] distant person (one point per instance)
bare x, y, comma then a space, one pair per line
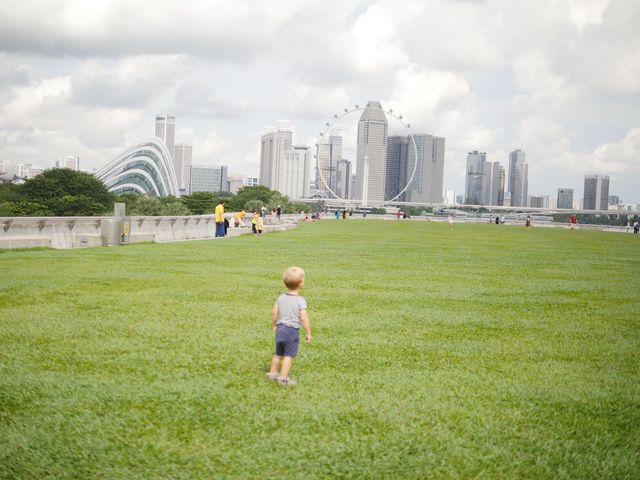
260, 225
337, 214
573, 220
497, 220
502, 220
527, 223
288, 314
278, 212
226, 226
344, 215
219, 211
450, 220
636, 227
263, 211
398, 214
254, 222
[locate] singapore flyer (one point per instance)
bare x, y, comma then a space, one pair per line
384, 157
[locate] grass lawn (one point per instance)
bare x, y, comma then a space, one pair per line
483, 351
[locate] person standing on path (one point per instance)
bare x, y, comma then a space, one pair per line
279, 212
220, 219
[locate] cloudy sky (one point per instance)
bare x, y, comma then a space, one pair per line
559, 79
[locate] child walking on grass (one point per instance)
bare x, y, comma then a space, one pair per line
289, 312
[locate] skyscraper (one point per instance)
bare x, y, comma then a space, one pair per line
491, 183
501, 184
565, 198
71, 162
343, 179
166, 131
182, 157
329, 154
296, 171
396, 170
596, 192
518, 179
208, 179
371, 154
427, 182
273, 146
475, 176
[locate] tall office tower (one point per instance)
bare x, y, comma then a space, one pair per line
273, 146
371, 154
614, 200
396, 170
538, 201
450, 197
296, 172
565, 198
491, 184
518, 179
71, 162
208, 179
596, 192
501, 182
426, 186
166, 130
235, 183
4, 166
182, 156
475, 177
251, 181
21, 169
329, 154
343, 179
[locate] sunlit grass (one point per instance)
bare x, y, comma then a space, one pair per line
484, 351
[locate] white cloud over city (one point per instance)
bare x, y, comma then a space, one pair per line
559, 79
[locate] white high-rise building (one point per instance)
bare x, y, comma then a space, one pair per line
21, 169
235, 183
4, 166
518, 179
166, 131
343, 179
182, 158
272, 149
450, 197
371, 155
296, 172
329, 154
71, 162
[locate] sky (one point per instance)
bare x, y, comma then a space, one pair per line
558, 79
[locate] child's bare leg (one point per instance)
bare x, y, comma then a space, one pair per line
275, 363
286, 366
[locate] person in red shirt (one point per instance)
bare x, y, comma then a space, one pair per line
574, 221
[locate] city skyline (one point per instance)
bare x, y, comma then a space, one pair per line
565, 87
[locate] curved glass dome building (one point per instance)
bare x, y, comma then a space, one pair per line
144, 168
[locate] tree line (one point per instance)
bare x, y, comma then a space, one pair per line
64, 192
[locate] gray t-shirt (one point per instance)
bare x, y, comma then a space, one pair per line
289, 307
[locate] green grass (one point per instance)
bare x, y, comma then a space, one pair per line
485, 351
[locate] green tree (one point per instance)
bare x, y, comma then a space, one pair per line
129, 199
253, 205
23, 208
246, 194
10, 192
69, 205
148, 205
49, 187
199, 203
175, 208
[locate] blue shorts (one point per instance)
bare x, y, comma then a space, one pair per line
287, 341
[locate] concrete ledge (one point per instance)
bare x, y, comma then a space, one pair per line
25, 242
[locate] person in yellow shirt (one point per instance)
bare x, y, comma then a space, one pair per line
254, 222
220, 219
238, 217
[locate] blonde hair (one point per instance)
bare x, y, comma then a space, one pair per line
293, 277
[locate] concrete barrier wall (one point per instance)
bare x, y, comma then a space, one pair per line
79, 232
